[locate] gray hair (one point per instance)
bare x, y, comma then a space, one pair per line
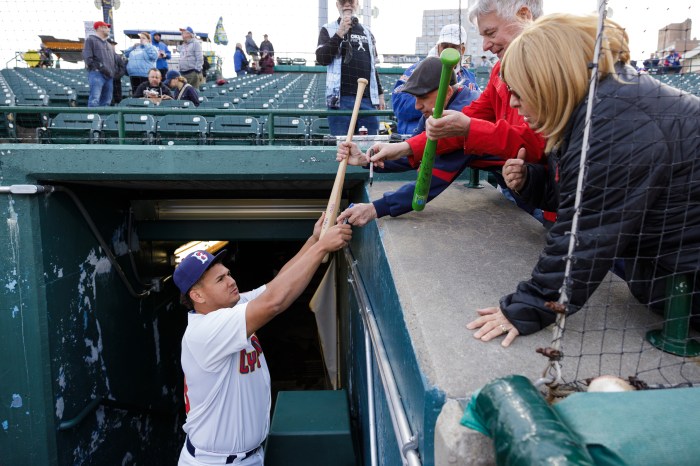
504, 8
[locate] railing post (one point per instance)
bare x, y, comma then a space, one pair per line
673, 337
122, 128
271, 128
474, 179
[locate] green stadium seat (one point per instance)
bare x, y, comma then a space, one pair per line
176, 104
71, 128
234, 130
288, 131
139, 102
138, 129
181, 130
320, 133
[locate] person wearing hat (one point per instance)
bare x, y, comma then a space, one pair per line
100, 61
142, 57
423, 86
489, 125
227, 382
163, 53
452, 36
182, 90
348, 49
191, 58
267, 45
120, 71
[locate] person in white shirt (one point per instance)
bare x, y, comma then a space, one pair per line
227, 382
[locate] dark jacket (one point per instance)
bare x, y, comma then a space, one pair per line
99, 56
161, 90
641, 199
240, 62
446, 169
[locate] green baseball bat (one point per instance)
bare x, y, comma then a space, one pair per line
449, 58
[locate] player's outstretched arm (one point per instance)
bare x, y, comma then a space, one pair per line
286, 287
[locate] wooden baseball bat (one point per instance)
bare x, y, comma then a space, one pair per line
449, 58
334, 200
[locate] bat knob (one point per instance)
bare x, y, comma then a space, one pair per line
449, 57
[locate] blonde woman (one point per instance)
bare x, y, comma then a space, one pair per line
641, 193
182, 90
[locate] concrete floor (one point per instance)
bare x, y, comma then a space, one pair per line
467, 249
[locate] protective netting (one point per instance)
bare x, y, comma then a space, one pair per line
629, 186
607, 336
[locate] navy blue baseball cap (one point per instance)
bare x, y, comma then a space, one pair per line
193, 267
188, 29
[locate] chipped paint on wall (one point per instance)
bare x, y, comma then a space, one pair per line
60, 406
119, 244
156, 340
16, 401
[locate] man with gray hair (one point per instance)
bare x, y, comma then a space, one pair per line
488, 125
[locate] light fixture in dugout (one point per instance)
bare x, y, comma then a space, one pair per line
186, 249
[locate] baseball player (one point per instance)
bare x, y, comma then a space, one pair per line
227, 383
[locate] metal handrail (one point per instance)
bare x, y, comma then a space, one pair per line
121, 111
407, 441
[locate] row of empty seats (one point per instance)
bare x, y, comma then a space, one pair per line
93, 128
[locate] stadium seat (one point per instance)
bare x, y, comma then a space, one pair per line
141, 102
181, 130
217, 104
138, 129
234, 130
176, 104
71, 128
32, 120
287, 131
319, 133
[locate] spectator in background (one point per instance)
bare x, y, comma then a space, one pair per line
251, 47
267, 64
240, 62
45, 59
142, 57
182, 90
120, 70
347, 48
153, 89
423, 84
672, 62
191, 58
485, 62
267, 45
100, 62
489, 125
163, 54
452, 36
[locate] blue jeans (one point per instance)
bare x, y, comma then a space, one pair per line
100, 89
338, 125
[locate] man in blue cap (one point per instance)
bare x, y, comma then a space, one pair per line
191, 58
227, 383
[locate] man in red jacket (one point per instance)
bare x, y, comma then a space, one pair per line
489, 125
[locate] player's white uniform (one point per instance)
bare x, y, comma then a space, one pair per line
227, 387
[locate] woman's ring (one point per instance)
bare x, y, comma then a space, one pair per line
503, 328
